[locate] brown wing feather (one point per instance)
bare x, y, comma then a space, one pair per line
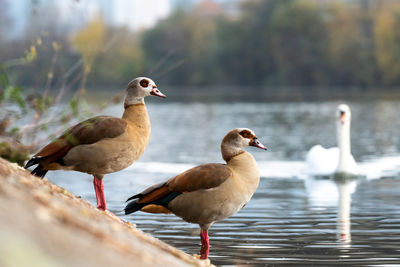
154, 195
52, 148
95, 129
86, 132
56, 155
201, 177
205, 176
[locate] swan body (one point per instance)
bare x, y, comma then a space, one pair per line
335, 160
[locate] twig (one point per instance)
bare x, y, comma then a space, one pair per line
172, 67
50, 75
161, 61
38, 120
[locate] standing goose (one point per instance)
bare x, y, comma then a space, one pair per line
102, 144
335, 160
210, 192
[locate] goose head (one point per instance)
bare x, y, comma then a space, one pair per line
139, 88
236, 140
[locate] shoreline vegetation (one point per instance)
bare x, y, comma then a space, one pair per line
262, 43
45, 225
262, 94
98, 96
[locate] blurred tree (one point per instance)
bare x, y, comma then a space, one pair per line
182, 39
387, 43
351, 61
298, 43
44, 29
125, 55
266, 43
244, 45
89, 42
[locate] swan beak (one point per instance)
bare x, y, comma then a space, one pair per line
256, 143
342, 117
157, 92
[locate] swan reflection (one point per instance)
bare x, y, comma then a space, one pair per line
345, 189
334, 192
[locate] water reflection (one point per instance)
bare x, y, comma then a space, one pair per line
334, 191
345, 187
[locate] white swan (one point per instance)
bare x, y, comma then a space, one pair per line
321, 161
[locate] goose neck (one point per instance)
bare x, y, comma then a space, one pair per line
229, 152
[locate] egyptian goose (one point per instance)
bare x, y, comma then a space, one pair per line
102, 144
335, 160
210, 192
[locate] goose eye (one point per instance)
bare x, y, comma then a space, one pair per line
246, 134
144, 83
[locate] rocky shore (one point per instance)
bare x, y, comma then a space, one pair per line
42, 224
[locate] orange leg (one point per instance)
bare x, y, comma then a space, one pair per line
205, 244
99, 188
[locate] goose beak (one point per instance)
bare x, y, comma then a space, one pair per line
256, 143
157, 92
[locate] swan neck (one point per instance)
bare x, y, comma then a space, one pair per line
343, 139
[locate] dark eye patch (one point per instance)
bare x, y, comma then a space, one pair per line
144, 82
246, 134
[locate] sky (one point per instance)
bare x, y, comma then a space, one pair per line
138, 13
135, 14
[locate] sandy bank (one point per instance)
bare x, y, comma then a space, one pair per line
42, 224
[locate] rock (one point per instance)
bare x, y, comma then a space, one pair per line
42, 224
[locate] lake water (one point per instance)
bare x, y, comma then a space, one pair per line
292, 219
